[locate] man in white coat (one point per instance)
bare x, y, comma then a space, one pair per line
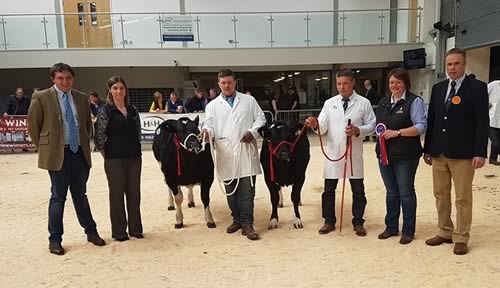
494, 103
333, 122
232, 120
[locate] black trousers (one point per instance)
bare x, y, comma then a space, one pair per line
124, 180
358, 201
495, 143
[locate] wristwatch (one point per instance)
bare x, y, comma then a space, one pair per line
399, 133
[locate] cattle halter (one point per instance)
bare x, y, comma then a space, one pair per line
274, 150
179, 144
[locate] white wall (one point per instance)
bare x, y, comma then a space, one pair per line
257, 5
478, 62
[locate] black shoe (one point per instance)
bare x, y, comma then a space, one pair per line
386, 234
95, 239
405, 239
233, 227
138, 236
247, 230
360, 230
56, 248
121, 239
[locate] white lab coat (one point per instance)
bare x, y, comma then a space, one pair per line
332, 122
494, 95
227, 125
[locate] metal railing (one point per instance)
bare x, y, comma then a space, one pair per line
210, 30
296, 115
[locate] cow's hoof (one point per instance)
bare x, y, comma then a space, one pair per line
297, 223
191, 204
211, 225
171, 208
179, 226
280, 205
273, 224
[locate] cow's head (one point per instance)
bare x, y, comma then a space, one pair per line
280, 135
187, 131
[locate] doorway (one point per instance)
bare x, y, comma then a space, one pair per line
88, 24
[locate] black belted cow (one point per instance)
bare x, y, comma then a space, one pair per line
184, 161
284, 157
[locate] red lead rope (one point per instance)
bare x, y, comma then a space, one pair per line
348, 153
274, 150
178, 150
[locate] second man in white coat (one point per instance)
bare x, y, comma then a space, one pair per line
333, 122
232, 120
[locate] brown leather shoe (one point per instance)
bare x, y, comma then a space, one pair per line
233, 227
95, 239
247, 230
360, 230
460, 249
405, 239
437, 240
327, 228
386, 234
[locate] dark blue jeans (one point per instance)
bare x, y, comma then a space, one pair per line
241, 202
73, 174
399, 180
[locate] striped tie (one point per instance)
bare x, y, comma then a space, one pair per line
70, 120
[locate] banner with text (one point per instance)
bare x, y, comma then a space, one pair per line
14, 133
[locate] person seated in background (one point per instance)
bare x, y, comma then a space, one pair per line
159, 105
17, 104
196, 103
174, 104
212, 94
95, 104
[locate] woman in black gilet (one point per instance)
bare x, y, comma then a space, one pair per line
401, 119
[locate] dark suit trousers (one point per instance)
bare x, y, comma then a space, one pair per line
124, 180
358, 201
73, 174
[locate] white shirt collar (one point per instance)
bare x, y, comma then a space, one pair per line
60, 93
393, 101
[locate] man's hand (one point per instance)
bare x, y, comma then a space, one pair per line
478, 162
428, 159
247, 137
312, 122
204, 135
352, 130
390, 134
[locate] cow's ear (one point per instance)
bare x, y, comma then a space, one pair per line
170, 125
264, 132
197, 120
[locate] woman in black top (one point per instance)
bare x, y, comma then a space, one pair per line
118, 139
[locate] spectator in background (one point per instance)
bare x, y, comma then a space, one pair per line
212, 95
494, 101
472, 75
17, 104
159, 105
273, 103
196, 103
292, 91
285, 99
175, 105
95, 104
371, 93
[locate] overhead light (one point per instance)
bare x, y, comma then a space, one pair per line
276, 80
357, 71
317, 79
296, 73
324, 77
290, 75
